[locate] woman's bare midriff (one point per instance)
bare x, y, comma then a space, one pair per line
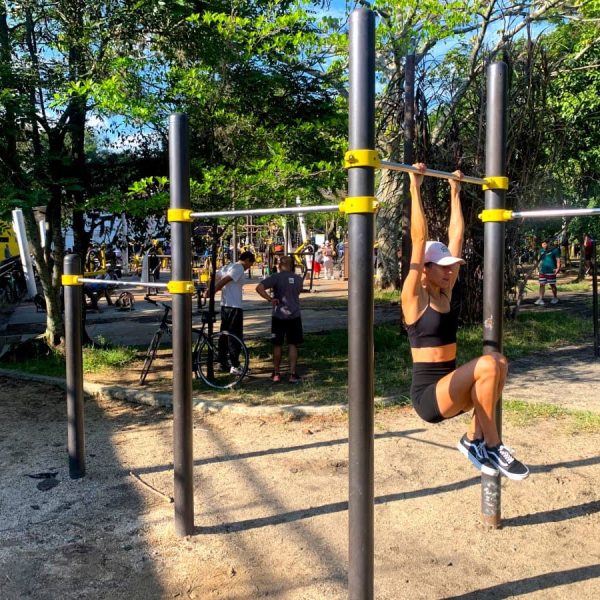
437, 354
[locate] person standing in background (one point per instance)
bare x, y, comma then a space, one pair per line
327, 254
286, 321
549, 267
230, 281
588, 250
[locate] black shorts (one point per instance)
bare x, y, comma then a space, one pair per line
286, 328
422, 390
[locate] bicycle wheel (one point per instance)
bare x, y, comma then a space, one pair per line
207, 365
150, 355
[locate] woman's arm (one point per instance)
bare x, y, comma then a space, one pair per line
412, 290
456, 227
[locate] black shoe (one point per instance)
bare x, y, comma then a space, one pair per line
474, 450
507, 464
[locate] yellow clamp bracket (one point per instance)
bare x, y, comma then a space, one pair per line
70, 280
361, 158
495, 215
495, 183
181, 287
179, 215
359, 204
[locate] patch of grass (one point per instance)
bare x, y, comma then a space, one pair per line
387, 296
324, 360
530, 332
95, 360
575, 286
51, 365
528, 413
320, 302
99, 359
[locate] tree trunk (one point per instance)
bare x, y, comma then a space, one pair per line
389, 220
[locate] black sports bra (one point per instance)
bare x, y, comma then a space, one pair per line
433, 329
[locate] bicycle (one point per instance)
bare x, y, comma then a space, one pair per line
164, 327
212, 353
206, 353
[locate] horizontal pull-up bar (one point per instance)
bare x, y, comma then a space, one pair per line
559, 212
499, 214
256, 212
370, 158
127, 283
393, 166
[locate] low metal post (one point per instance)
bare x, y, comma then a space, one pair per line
493, 257
181, 271
74, 365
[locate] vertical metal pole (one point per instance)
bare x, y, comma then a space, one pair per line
361, 182
408, 158
74, 366
595, 298
493, 261
234, 241
181, 270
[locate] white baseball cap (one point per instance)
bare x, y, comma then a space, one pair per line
438, 253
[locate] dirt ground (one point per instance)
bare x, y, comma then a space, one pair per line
271, 508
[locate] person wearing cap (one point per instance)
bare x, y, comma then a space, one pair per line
440, 390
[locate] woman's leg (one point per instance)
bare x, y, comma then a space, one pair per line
474, 431
475, 385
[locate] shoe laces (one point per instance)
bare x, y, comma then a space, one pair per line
480, 450
505, 452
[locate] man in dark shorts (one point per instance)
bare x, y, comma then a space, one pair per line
549, 266
286, 322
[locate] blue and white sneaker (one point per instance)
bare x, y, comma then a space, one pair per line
507, 464
475, 451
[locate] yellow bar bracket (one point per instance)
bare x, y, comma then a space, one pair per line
495, 215
495, 183
71, 280
181, 287
361, 158
179, 215
359, 204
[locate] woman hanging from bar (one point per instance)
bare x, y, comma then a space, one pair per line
439, 389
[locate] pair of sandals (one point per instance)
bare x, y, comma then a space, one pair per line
293, 378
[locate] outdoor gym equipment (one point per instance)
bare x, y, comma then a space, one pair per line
361, 161
500, 215
511, 215
181, 218
73, 281
360, 206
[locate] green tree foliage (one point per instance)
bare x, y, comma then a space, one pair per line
453, 44
265, 116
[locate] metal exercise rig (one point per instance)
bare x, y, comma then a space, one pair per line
361, 161
360, 205
73, 281
181, 216
501, 215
